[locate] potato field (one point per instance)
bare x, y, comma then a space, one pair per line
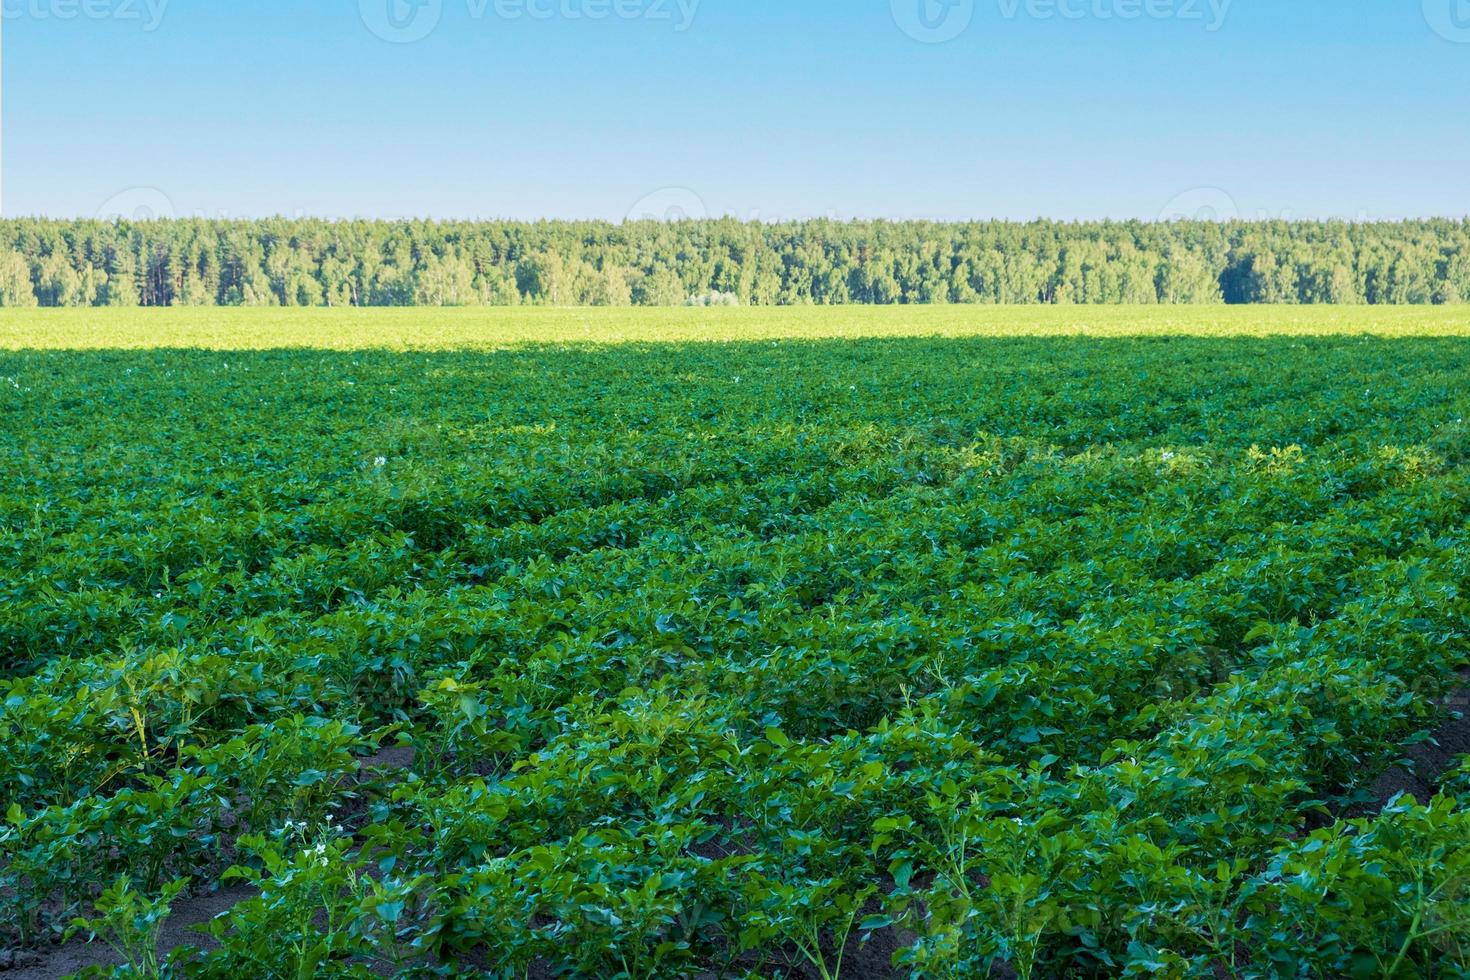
735, 643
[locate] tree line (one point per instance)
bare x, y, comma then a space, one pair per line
313, 262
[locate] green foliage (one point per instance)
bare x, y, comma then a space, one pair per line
317, 912
16, 286
1053, 656
131, 924
310, 262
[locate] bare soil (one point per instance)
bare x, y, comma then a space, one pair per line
179, 930
1430, 760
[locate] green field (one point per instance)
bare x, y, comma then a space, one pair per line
414, 328
848, 642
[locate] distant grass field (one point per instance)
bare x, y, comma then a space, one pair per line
770, 643
424, 328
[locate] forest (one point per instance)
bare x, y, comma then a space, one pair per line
314, 262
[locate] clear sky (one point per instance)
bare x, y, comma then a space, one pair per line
764, 109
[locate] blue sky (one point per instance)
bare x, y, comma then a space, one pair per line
765, 109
